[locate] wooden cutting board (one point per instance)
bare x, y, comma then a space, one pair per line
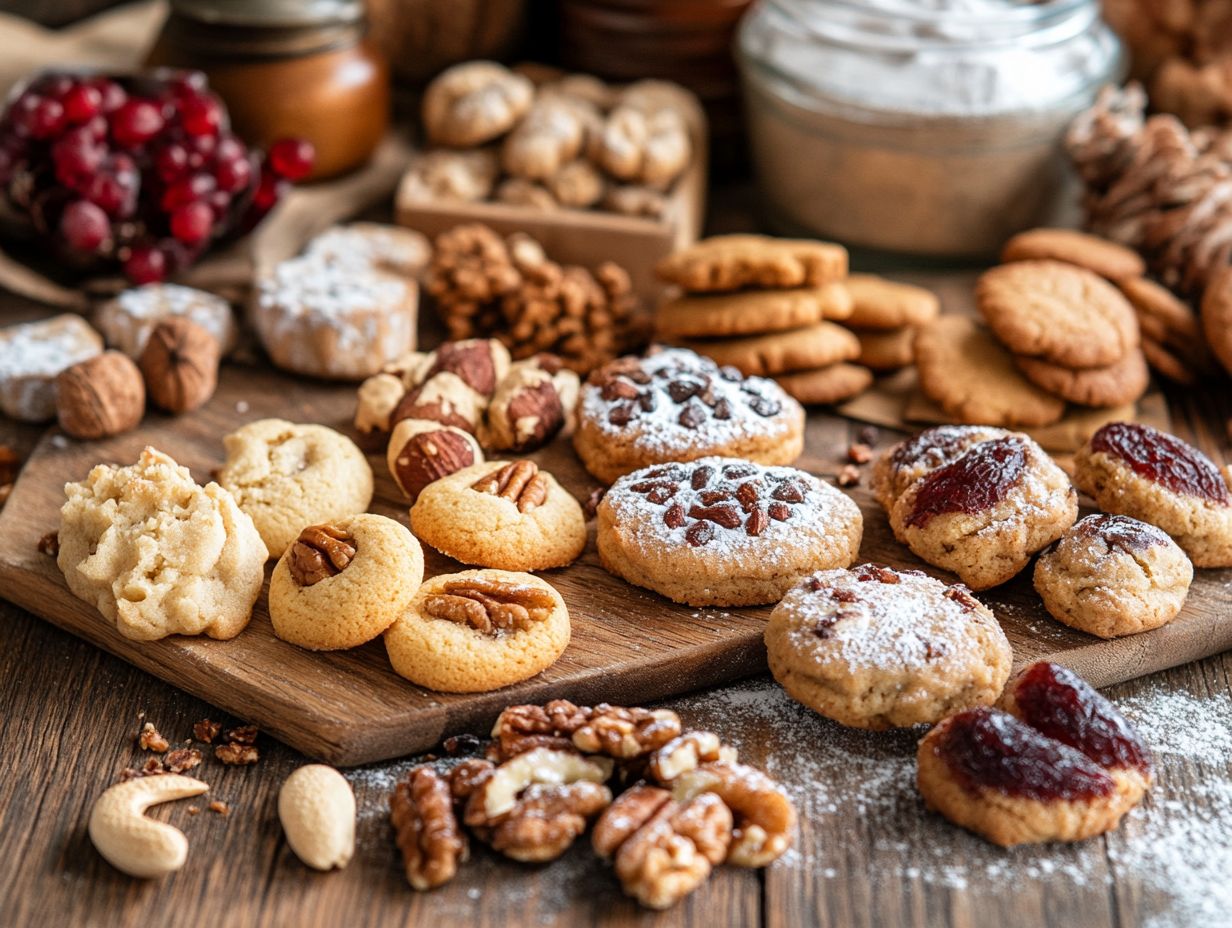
629, 645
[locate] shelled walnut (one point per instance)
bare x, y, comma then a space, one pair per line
615, 731
426, 829
321, 551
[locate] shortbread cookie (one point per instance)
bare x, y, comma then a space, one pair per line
478, 630
1138, 471
833, 384
508, 515
724, 532
394, 249
288, 476
1113, 576
33, 355
1059, 312
344, 582
648, 146
905, 463
127, 320
731, 262
1098, 255
964, 370
157, 554
878, 648
890, 350
674, 405
814, 346
986, 513
883, 304
332, 320
1119, 383
474, 102
751, 312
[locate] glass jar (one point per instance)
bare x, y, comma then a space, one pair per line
287, 68
929, 127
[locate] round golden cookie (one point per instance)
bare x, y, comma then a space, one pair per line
890, 350
1105, 258
478, 630
1059, 312
878, 303
751, 312
1113, 576
1115, 385
724, 532
287, 475
1164, 361
343, 583
878, 648
833, 384
731, 262
508, 515
1217, 315
972, 377
1159, 308
818, 345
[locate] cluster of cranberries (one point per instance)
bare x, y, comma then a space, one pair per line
138, 171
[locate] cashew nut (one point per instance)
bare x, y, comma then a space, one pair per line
129, 841
317, 811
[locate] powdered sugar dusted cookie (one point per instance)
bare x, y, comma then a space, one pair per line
371, 244
674, 405
127, 320
723, 531
877, 648
32, 356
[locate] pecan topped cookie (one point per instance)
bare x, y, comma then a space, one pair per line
724, 531
675, 405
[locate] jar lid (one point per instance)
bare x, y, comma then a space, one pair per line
271, 13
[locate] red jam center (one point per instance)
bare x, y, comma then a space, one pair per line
1062, 705
942, 442
976, 481
1164, 459
989, 748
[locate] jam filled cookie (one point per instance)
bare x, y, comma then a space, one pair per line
877, 648
127, 320
509, 515
674, 405
344, 582
478, 630
905, 463
159, 555
984, 514
724, 532
288, 476
1138, 471
1112, 576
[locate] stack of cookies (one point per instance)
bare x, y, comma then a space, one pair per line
766, 306
885, 316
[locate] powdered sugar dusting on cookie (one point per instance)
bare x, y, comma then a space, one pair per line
43, 349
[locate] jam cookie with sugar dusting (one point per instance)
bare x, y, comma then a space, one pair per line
1058, 763
674, 405
877, 648
1113, 576
723, 531
1138, 471
905, 463
984, 514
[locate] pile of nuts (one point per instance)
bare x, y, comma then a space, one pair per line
440, 407
687, 805
570, 142
509, 289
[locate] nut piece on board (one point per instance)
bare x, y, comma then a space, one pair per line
426, 829
100, 397
765, 819
180, 365
129, 841
317, 809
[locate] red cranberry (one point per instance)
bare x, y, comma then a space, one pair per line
114, 186
200, 115
84, 226
233, 174
187, 190
53, 85
187, 84
145, 265
191, 222
97, 128
82, 103
292, 158
135, 123
171, 161
976, 481
77, 156
269, 191
112, 95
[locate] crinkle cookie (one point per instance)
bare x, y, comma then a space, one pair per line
874, 647
287, 476
674, 405
157, 554
905, 463
986, 513
478, 630
127, 320
508, 515
344, 582
724, 531
1138, 471
1113, 576
33, 354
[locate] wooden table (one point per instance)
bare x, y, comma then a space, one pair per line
867, 854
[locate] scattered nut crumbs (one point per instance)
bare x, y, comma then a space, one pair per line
49, 544
10, 464
462, 744
150, 739
194, 810
206, 730
236, 754
182, 759
849, 476
220, 807
868, 435
859, 453
243, 734
591, 506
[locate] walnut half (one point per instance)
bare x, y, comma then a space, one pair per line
616, 731
321, 551
426, 829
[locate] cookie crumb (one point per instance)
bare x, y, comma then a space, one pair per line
849, 476
150, 739
206, 730
49, 544
236, 754
182, 759
220, 807
242, 734
859, 453
194, 810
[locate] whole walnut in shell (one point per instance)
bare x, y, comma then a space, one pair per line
100, 397
180, 365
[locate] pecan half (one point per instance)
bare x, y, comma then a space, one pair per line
426, 829
321, 551
520, 482
490, 606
